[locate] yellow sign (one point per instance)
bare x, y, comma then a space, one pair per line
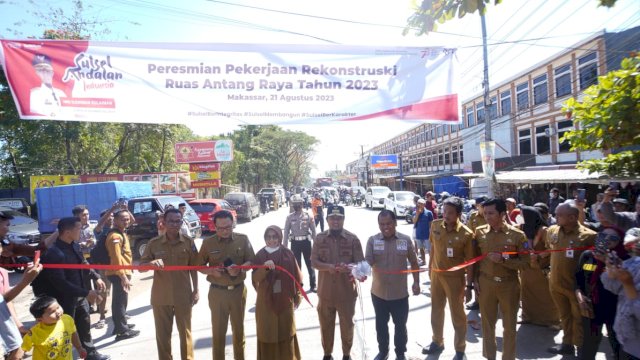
209, 175
41, 181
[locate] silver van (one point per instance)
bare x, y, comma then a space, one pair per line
245, 204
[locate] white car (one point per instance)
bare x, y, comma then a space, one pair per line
373, 196
400, 202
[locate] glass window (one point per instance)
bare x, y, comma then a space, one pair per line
446, 156
439, 131
563, 80
543, 140
563, 127
492, 110
454, 155
461, 155
441, 157
540, 90
454, 128
470, 117
480, 112
522, 96
428, 159
445, 129
505, 102
524, 140
588, 70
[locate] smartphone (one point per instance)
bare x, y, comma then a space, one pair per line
614, 259
581, 194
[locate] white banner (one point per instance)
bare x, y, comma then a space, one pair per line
249, 83
488, 155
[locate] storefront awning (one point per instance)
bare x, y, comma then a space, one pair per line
551, 177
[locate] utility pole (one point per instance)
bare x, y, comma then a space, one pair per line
485, 81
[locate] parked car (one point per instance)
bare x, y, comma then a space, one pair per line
245, 204
206, 208
146, 225
17, 204
374, 195
22, 230
400, 202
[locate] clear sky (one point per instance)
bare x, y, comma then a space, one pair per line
521, 34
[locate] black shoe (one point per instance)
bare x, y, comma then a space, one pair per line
562, 349
327, 357
346, 357
460, 356
311, 289
97, 356
129, 327
127, 335
433, 348
473, 306
401, 357
381, 356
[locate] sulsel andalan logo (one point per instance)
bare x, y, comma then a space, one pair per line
90, 67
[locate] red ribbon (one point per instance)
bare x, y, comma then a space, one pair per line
165, 268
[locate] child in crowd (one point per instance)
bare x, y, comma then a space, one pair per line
53, 334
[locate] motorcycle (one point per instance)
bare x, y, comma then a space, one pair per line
348, 201
410, 215
264, 204
359, 199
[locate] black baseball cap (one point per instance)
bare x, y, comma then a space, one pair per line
5, 216
335, 210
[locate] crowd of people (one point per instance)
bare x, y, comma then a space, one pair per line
548, 260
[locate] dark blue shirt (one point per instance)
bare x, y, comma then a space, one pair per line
423, 225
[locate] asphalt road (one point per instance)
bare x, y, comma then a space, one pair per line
531, 342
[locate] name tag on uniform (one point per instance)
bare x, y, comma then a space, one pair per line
378, 245
401, 245
449, 252
277, 286
569, 253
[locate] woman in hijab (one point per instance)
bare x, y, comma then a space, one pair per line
597, 304
278, 297
537, 306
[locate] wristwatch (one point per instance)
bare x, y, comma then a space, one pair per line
469, 286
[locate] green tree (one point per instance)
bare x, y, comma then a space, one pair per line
607, 119
430, 13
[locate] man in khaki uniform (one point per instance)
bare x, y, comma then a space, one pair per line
476, 219
568, 234
333, 250
388, 252
119, 249
451, 245
171, 292
499, 285
227, 294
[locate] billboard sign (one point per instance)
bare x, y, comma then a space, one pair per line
389, 161
212, 183
204, 151
204, 167
209, 83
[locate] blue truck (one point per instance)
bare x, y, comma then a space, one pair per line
56, 202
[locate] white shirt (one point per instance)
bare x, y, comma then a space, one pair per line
46, 101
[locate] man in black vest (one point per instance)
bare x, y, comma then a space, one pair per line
67, 286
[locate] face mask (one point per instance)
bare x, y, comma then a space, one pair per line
271, 250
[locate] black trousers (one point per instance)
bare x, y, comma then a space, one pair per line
592, 335
320, 220
119, 302
79, 311
303, 248
398, 310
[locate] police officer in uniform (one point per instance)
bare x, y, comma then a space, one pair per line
571, 237
300, 228
333, 250
172, 294
224, 251
451, 245
499, 285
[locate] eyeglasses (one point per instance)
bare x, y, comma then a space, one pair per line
224, 227
271, 237
174, 222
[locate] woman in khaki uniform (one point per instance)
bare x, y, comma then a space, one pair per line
537, 306
278, 297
